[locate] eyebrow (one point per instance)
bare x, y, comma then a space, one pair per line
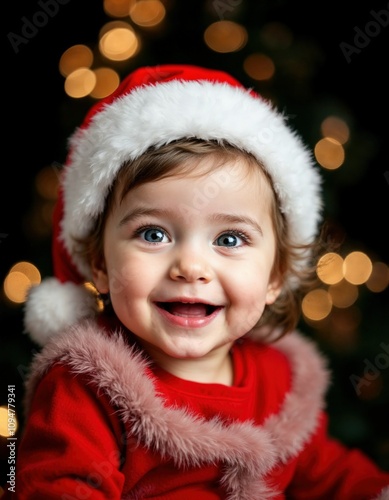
220, 217
140, 212
237, 219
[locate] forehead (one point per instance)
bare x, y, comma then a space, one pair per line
207, 179
235, 173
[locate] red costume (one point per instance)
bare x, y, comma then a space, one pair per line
105, 423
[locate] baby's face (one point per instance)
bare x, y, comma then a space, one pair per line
188, 260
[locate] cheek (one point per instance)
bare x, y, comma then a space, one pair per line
131, 278
247, 294
122, 277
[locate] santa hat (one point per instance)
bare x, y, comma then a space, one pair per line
152, 107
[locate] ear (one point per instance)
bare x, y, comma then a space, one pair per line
273, 289
99, 274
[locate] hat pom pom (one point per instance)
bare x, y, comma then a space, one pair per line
52, 306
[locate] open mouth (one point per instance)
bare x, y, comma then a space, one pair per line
186, 309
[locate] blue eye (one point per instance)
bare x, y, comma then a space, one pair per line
230, 239
154, 235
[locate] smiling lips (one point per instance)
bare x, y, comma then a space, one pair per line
188, 314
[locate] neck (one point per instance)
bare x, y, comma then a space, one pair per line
210, 369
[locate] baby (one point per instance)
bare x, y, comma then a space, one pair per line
184, 235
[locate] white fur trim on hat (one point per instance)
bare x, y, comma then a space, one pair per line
158, 114
52, 306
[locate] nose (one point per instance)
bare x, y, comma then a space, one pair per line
191, 266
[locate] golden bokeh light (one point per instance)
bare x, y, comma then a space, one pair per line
39, 223
329, 153
345, 323
357, 268
107, 81
16, 286
330, 268
5, 429
276, 35
147, 13
18, 281
31, 271
317, 304
259, 67
45, 211
343, 294
75, 57
340, 329
379, 277
335, 128
225, 36
46, 182
117, 8
369, 389
118, 41
80, 83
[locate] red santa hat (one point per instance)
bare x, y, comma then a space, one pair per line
154, 106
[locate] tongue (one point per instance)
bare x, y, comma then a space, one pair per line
194, 310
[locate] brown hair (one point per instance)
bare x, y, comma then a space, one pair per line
177, 159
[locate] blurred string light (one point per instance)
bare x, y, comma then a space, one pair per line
46, 182
259, 66
317, 304
225, 36
78, 56
4, 426
80, 83
330, 268
342, 277
369, 389
144, 13
329, 151
379, 277
335, 128
117, 8
19, 279
343, 325
107, 81
276, 36
23, 275
343, 294
118, 42
38, 221
357, 268
147, 13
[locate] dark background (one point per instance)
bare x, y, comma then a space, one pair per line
313, 79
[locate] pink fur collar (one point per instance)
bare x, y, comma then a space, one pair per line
248, 451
